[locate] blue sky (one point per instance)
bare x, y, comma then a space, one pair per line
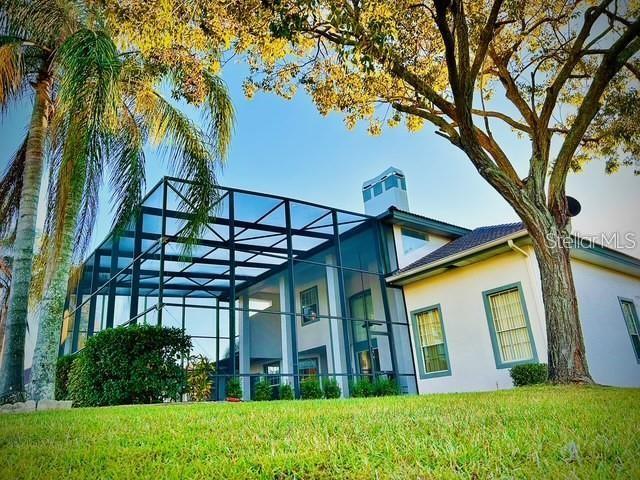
288, 148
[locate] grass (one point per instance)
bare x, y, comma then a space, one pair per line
542, 432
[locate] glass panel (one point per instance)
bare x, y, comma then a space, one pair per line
390, 182
511, 326
432, 341
360, 307
629, 317
412, 240
308, 367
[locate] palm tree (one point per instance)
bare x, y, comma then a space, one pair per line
139, 115
30, 33
93, 108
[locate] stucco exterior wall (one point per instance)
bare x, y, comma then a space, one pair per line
610, 354
460, 296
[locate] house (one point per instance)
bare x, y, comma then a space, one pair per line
283, 289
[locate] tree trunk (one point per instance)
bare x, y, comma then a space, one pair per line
566, 353
45, 356
12, 371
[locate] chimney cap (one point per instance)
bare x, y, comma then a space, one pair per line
379, 178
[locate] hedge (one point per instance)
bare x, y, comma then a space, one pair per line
130, 365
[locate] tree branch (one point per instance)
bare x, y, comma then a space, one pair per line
485, 39
590, 17
504, 117
619, 53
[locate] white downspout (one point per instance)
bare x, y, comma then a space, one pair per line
542, 331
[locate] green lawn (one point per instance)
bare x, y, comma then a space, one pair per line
548, 432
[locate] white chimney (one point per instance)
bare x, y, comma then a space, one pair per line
389, 189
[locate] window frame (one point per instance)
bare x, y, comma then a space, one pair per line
500, 364
316, 359
636, 320
303, 317
270, 376
408, 232
417, 344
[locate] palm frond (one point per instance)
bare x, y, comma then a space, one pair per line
189, 156
43, 22
11, 189
127, 163
12, 80
219, 115
86, 105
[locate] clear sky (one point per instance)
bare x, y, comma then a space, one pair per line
288, 148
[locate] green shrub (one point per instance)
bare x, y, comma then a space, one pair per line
286, 392
264, 391
199, 378
127, 365
63, 368
529, 374
362, 388
310, 388
331, 388
384, 387
234, 389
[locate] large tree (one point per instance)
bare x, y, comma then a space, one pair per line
563, 75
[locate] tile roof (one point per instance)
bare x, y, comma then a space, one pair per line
471, 240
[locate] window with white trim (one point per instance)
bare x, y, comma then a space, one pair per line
510, 326
432, 341
309, 305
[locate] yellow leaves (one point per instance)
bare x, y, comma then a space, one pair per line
249, 89
414, 123
375, 127
273, 50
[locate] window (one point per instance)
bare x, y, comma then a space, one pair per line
309, 305
633, 326
403, 183
366, 194
377, 189
272, 372
308, 367
361, 308
509, 326
412, 240
390, 182
433, 358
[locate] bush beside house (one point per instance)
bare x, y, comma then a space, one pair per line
130, 365
199, 373
286, 392
310, 388
63, 370
529, 374
263, 391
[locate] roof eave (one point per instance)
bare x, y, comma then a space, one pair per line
418, 222
446, 262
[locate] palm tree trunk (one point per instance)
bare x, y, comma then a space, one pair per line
48, 340
12, 365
